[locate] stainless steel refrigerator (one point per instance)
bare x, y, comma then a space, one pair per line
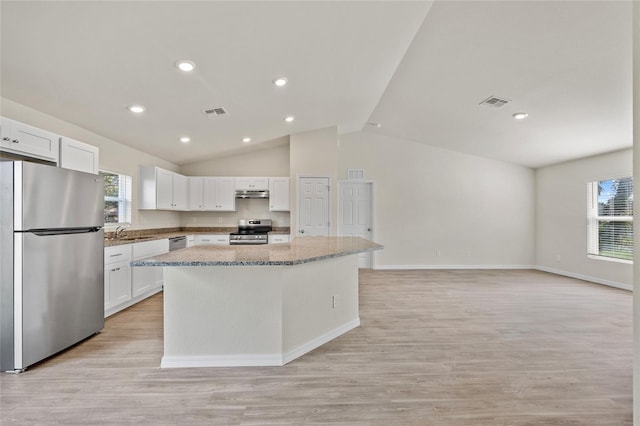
51, 264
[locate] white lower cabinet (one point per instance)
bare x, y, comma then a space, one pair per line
125, 286
117, 276
278, 238
149, 278
215, 239
191, 240
145, 279
117, 284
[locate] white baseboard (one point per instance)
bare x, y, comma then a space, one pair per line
221, 361
455, 267
539, 268
139, 298
255, 360
586, 278
319, 341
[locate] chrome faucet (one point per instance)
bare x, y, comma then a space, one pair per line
119, 230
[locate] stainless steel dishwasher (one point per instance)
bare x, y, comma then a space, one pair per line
176, 243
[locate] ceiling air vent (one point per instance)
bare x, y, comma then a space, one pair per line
494, 102
215, 112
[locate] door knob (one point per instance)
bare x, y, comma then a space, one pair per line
369, 229
302, 231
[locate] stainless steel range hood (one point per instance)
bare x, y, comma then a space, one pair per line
252, 193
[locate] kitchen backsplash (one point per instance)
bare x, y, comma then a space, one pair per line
245, 209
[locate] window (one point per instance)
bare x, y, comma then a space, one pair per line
117, 198
610, 218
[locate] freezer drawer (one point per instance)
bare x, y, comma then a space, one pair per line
60, 298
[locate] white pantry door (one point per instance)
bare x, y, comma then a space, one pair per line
313, 206
355, 214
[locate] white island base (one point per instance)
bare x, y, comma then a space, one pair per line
220, 316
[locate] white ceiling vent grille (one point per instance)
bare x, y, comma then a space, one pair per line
494, 102
215, 112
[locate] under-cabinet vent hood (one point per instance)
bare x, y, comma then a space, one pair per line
252, 193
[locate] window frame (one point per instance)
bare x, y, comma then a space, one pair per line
125, 188
594, 219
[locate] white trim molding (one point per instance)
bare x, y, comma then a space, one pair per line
255, 360
586, 278
319, 341
403, 267
594, 280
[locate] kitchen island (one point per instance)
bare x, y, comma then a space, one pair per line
257, 305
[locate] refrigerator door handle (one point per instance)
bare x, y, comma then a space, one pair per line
64, 231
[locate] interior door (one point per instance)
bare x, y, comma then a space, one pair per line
313, 206
355, 214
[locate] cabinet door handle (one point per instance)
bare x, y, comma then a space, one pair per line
15, 141
114, 255
6, 139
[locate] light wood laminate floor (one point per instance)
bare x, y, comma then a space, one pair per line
434, 348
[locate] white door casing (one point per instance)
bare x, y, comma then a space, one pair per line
355, 214
313, 206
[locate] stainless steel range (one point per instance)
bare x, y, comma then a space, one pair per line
251, 231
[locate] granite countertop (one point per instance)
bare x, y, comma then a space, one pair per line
141, 235
299, 250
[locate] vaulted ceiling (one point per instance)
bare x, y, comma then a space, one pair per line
420, 69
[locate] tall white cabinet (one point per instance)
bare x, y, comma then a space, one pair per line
162, 189
279, 194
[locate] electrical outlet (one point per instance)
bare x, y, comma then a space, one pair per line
334, 301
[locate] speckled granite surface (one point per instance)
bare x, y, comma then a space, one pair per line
140, 235
298, 251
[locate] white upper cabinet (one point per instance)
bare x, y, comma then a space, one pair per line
196, 193
162, 189
252, 183
219, 194
180, 192
279, 194
22, 139
77, 155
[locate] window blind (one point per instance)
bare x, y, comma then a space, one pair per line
117, 197
610, 218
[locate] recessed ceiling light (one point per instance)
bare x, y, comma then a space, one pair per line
136, 108
186, 66
281, 81
376, 125
289, 118
520, 115
246, 140
185, 139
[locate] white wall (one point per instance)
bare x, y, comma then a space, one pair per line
561, 217
114, 157
262, 162
438, 208
272, 161
314, 153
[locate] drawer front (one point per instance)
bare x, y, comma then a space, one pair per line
212, 239
117, 254
150, 248
278, 239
